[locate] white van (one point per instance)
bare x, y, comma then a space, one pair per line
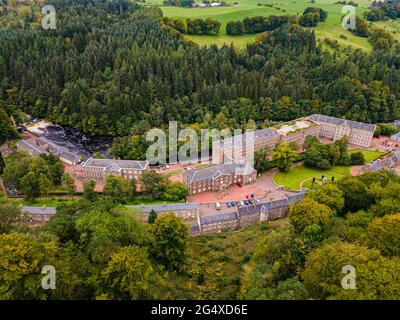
218, 206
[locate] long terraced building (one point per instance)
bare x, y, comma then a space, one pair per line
359, 133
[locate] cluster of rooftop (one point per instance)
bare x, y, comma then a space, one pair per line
43, 146
98, 169
245, 215
359, 133
201, 224
388, 162
239, 149
218, 177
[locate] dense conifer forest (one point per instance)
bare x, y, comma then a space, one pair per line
108, 69
116, 68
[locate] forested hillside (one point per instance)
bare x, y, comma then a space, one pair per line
354, 222
108, 68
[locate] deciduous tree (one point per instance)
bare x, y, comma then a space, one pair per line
171, 236
88, 190
384, 234
307, 212
69, 184
175, 191
284, 156
128, 274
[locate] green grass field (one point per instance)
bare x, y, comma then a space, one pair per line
391, 26
301, 176
331, 28
369, 155
175, 172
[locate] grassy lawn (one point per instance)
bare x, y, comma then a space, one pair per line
392, 26
298, 175
201, 166
331, 28
174, 172
369, 155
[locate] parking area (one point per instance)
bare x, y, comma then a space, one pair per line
384, 144
264, 189
171, 169
225, 207
234, 193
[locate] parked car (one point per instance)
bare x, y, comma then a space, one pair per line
229, 204
241, 203
253, 196
247, 202
218, 206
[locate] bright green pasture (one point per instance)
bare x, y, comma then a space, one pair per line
300, 176
369, 155
331, 28
392, 26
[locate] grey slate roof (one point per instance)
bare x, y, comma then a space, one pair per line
53, 147
397, 154
211, 172
194, 228
249, 210
278, 203
396, 137
376, 166
321, 118
242, 139
42, 141
167, 207
144, 209
360, 125
391, 162
30, 147
269, 205
68, 155
116, 165
222, 217
38, 210
266, 133
350, 123
293, 198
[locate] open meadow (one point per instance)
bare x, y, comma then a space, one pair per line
331, 28
301, 176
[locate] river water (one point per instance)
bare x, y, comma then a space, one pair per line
74, 140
